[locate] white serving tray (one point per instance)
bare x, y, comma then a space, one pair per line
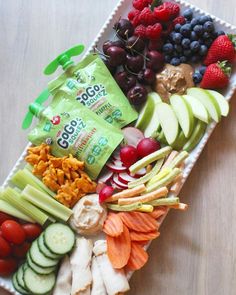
107, 32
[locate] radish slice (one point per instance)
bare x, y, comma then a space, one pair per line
132, 135
100, 186
119, 183
116, 187
116, 166
105, 177
139, 173
125, 178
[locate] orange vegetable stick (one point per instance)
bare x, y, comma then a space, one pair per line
119, 248
136, 236
138, 257
127, 193
113, 225
139, 221
158, 212
180, 206
170, 158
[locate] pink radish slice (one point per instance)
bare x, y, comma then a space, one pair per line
139, 173
105, 177
100, 186
125, 178
132, 135
119, 183
116, 187
116, 166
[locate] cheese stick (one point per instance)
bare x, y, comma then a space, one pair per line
169, 159
130, 192
98, 287
64, 278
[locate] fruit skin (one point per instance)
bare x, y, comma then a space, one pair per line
137, 95
140, 31
153, 32
141, 4
128, 155
197, 77
179, 20
147, 146
221, 49
105, 193
173, 8
32, 231
147, 76
147, 17
136, 44
117, 56
162, 13
19, 251
5, 249
125, 80
7, 267
216, 76
155, 60
4, 217
13, 232
124, 28
134, 63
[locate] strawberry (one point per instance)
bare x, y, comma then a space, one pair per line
216, 76
223, 48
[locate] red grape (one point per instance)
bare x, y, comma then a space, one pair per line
147, 146
105, 193
128, 155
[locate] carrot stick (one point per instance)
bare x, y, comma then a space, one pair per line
138, 257
180, 206
170, 158
175, 188
130, 192
137, 236
158, 212
113, 225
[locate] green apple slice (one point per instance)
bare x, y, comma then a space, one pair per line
180, 141
147, 110
196, 136
223, 103
183, 113
168, 121
153, 125
198, 109
208, 101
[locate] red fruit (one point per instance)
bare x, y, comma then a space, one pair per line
13, 232
162, 13
105, 193
19, 251
216, 76
140, 31
179, 20
167, 29
154, 32
128, 155
4, 217
141, 4
223, 48
133, 13
5, 248
155, 45
173, 8
7, 267
147, 146
32, 231
155, 60
147, 17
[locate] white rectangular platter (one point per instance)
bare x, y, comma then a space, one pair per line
107, 32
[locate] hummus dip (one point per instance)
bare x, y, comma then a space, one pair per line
174, 80
88, 215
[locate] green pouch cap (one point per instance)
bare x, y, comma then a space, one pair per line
90, 83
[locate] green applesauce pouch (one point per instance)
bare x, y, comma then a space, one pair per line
71, 128
90, 83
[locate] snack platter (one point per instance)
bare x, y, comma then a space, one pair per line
106, 33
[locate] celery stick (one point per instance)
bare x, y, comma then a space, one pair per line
27, 208
46, 203
147, 176
164, 181
178, 159
149, 159
164, 202
17, 190
9, 209
29, 167
145, 208
131, 207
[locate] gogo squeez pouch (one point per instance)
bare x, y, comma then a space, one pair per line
90, 83
71, 128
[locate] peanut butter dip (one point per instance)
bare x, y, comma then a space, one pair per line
174, 80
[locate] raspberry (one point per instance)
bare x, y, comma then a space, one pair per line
167, 29
155, 45
174, 9
154, 32
179, 20
147, 17
140, 31
133, 13
162, 13
140, 4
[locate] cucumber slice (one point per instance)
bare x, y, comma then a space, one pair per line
59, 238
17, 287
38, 284
39, 259
19, 277
38, 269
44, 250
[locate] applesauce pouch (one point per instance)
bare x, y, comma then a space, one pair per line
71, 128
90, 83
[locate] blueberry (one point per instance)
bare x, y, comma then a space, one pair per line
208, 27
194, 22
185, 43
198, 19
197, 77
175, 54
186, 30
195, 46
206, 35
177, 27
198, 29
193, 36
201, 41
183, 59
219, 33
188, 14
172, 35
178, 48
202, 69
204, 19
168, 48
175, 61
203, 50
195, 59
177, 38
187, 52
167, 58
208, 42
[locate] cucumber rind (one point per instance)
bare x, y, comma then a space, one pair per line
17, 287
19, 277
39, 259
63, 246
38, 269
44, 249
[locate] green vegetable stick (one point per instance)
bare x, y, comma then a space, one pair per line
130, 207
145, 208
147, 176
164, 202
149, 159
164, 181
178, 159
46, 203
